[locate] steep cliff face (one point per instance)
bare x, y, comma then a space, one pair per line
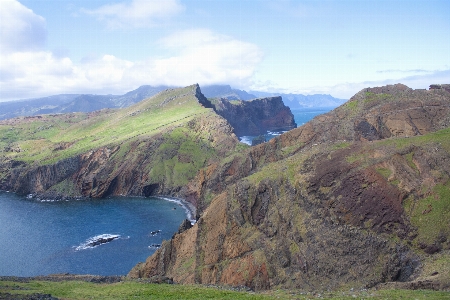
164, 142
335, 202
256, 116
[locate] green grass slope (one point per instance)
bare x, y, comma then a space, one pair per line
72, 290
49, 138
167, 138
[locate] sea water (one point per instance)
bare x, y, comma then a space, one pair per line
301, 116
39, 237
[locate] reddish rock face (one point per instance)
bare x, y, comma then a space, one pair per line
320, 206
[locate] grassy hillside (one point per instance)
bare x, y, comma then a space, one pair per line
72, 290
154, 146
48, 138
356, 197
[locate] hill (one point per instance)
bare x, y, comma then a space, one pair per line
75, 103
358, 196
67, 103
153, 147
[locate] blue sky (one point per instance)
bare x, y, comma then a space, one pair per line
113, 46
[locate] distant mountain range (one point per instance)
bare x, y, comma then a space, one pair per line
66, 103
298, 101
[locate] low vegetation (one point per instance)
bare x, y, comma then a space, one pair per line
139, 290
50, 138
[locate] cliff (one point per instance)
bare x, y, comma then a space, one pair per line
255, 117
358, 196
154, 147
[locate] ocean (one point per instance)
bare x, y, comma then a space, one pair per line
50, 237
39, 237
301, 116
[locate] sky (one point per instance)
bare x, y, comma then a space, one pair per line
335, 47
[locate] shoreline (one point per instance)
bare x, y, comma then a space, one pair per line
190, 209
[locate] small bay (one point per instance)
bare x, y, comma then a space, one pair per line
50, 237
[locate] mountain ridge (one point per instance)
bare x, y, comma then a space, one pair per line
358, 196
348, 198
66, 103
94, 154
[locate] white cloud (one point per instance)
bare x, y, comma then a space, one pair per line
196, 56
206, 57
137, 13
40, 73
347, 90
20, 28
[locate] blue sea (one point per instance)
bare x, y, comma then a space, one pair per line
48, 237
301, 116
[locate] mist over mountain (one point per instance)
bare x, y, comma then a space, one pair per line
28, 107
137, 95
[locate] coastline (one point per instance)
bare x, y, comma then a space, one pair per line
190, 209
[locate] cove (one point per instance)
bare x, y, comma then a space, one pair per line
96, 236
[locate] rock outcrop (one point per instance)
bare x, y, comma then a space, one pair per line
257, 116
346, 199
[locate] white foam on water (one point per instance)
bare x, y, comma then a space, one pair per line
89, 244
182, 203
246, 139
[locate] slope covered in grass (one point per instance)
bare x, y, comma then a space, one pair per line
154, 146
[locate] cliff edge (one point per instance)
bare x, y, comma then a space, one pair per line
255, 117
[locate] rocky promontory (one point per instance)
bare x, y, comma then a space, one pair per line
255, 117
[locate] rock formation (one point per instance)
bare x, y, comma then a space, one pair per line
346, 199
358, 196
255, 117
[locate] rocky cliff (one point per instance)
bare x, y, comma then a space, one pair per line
358, 196
152, 148
255, 117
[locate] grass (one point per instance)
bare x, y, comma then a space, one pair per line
441, 137
384, 172
37, 137
431, 215
138, 290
